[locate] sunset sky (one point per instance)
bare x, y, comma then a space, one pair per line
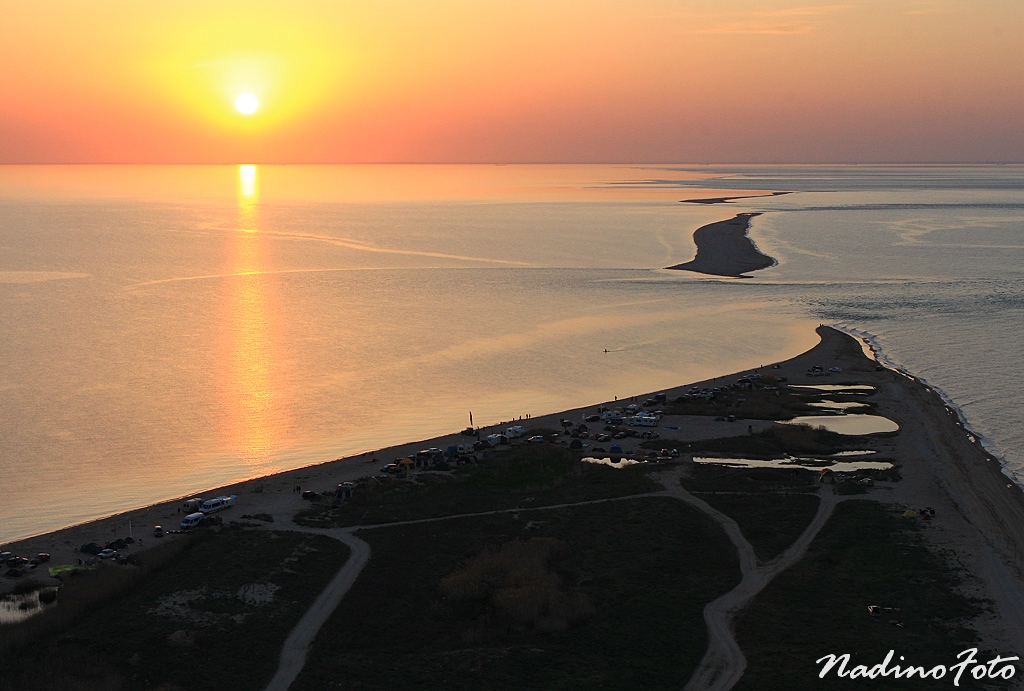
511, 81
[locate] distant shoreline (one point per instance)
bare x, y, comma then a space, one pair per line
729, 200
725, 249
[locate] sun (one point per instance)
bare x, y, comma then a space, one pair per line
246, 104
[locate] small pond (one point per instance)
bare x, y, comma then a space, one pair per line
847, 424
791, 462
18, 607
836, 388
621, 463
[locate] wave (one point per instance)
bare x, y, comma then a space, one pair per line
874, 345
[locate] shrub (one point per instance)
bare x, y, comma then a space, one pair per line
517, 588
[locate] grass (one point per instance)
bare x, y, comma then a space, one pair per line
774, 442
866, 555
759, 405
770, 522
707, 477
196, 623
524, 475
647, 567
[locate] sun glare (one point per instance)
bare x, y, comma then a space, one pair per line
246, 104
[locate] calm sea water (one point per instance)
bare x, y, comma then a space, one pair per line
171, 328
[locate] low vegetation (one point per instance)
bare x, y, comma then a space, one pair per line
520, 476
866, 555
774, 442
751, 404
428, 610
515, 587
212, 617
707, 477
771, 522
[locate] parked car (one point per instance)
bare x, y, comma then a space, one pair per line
391, 468
310, 495
107, 554
592, 418
40, 558
158, 531
603, 438
536, 439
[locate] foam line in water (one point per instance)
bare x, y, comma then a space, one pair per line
875, 348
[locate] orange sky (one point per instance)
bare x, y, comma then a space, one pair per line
511, 81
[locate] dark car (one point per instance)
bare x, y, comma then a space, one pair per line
310, 495
604, 438
158, 531
592, 418
620, 435
391, 468
40, 558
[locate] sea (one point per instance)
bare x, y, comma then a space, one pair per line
169, 329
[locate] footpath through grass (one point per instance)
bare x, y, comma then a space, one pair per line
433, 608
521, 476
866, 555
215, 618
771, 522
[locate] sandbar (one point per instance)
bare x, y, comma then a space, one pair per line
979, 511
725, 249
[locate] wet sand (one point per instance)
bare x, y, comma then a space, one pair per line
725, 249
979, 511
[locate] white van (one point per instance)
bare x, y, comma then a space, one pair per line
515, 431
217, 504
191, 521
192, 504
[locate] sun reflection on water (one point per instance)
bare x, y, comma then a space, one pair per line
255, 408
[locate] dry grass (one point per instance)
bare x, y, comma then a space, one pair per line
517, 588
84, 590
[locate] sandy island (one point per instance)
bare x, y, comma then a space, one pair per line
729, 200
725, 249
979, 511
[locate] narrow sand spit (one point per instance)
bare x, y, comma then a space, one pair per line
725, 249
979, 512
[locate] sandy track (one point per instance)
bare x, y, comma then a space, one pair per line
724, 663
296, 646
293, 654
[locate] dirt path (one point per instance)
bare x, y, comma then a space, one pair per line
293, 654
723, 663
296, 646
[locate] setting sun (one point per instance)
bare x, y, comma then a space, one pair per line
246, 104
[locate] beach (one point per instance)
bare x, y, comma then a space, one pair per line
725, 249
979, 512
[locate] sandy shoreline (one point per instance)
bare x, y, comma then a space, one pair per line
980, 513
725, 249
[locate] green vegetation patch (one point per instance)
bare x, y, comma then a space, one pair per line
708, 477
866, 555
750, 404
774, 442
214, 618
427, 612
771, 522
524, 475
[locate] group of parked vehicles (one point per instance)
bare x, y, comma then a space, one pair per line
200, 512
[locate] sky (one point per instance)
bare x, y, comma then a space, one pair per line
511, 81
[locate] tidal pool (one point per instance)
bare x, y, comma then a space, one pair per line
790, 462
839, 405
847, 424
621, 463
18, 607
837, 388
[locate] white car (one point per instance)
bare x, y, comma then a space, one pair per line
107, 554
